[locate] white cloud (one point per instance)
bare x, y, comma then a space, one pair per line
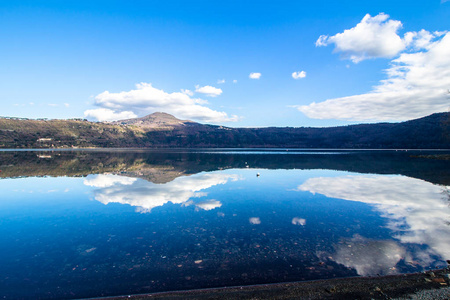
146, 99
417, 210
372, 37
234, 81
145, 195
105, 114
298, 75
221, 81
376, 37
51, 104
322, 41
187, 92
416, 86
208, 90
255, 221
254, 75
422, 40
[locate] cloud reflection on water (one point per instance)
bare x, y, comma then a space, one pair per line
370, 257
206, 205
298, 221
147, 195
417, 211
108, 180
255, 221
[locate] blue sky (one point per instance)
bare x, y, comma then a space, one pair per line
353, 61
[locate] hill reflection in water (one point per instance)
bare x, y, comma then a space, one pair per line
92, 223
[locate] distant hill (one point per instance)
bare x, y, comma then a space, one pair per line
160, 130
157, 120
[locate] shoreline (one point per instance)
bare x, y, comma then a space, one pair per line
438, 153
425, 285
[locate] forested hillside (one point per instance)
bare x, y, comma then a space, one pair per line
162, 130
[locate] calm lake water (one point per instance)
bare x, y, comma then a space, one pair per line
77, 224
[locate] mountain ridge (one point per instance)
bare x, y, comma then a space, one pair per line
161, 130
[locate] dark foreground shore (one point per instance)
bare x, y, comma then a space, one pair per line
428, 285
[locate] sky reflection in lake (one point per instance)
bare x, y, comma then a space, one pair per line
127, 230
145, 195
417, 211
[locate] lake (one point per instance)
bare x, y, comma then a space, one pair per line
91, 223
